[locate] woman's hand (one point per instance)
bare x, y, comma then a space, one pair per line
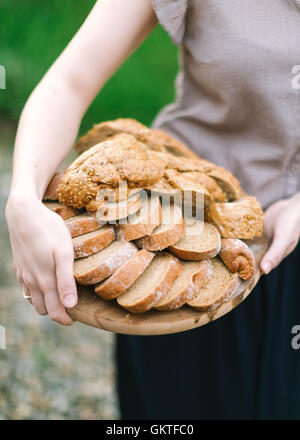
282, 224
43, 257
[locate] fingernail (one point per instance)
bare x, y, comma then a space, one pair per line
69, 300
267, 267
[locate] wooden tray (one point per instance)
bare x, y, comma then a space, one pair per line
108, 315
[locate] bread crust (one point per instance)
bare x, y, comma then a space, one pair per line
82, 224
195, 282
148, 301
50, 193
238, 257
243, 218
106, 165
125, 276
133, 231
64, 211
105, 268
89, 244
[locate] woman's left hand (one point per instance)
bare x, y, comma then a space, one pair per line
282, 225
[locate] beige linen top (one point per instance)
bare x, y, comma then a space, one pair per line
238, 88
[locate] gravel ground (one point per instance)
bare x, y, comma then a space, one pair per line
48, 371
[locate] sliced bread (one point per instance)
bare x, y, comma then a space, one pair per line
110, 212
200, 241
152, 285
50, 193
92, 242
125, 276
194, 275
168, 233
97, 267
81, 224
238, 257
64, 211
220, 286
142, 223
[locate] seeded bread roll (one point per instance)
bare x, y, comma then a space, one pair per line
97, 267
106, 165
238, 257
152, 285
92, 242
125, 276
220, 286
193, 277
243, 218
64, 211
201, 241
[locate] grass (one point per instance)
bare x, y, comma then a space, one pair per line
32, 35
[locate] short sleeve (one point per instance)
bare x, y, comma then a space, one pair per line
171, 14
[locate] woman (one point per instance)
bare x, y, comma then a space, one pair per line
237, 105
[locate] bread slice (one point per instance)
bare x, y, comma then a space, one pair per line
144, 222
125, 276
238, 257
152, 285
201, 240
81, 224
50, 193
92, 242
194, 275
243, 218
220, 286
168, 233
97, 267
110, 212
64, 211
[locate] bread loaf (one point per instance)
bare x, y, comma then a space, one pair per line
240, 219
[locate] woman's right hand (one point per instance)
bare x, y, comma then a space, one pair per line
43, 257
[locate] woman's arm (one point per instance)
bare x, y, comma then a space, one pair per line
282, 224
42, 247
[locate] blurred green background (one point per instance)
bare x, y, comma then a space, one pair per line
48, 371
34, 32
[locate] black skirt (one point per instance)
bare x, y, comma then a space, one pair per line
241, 366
